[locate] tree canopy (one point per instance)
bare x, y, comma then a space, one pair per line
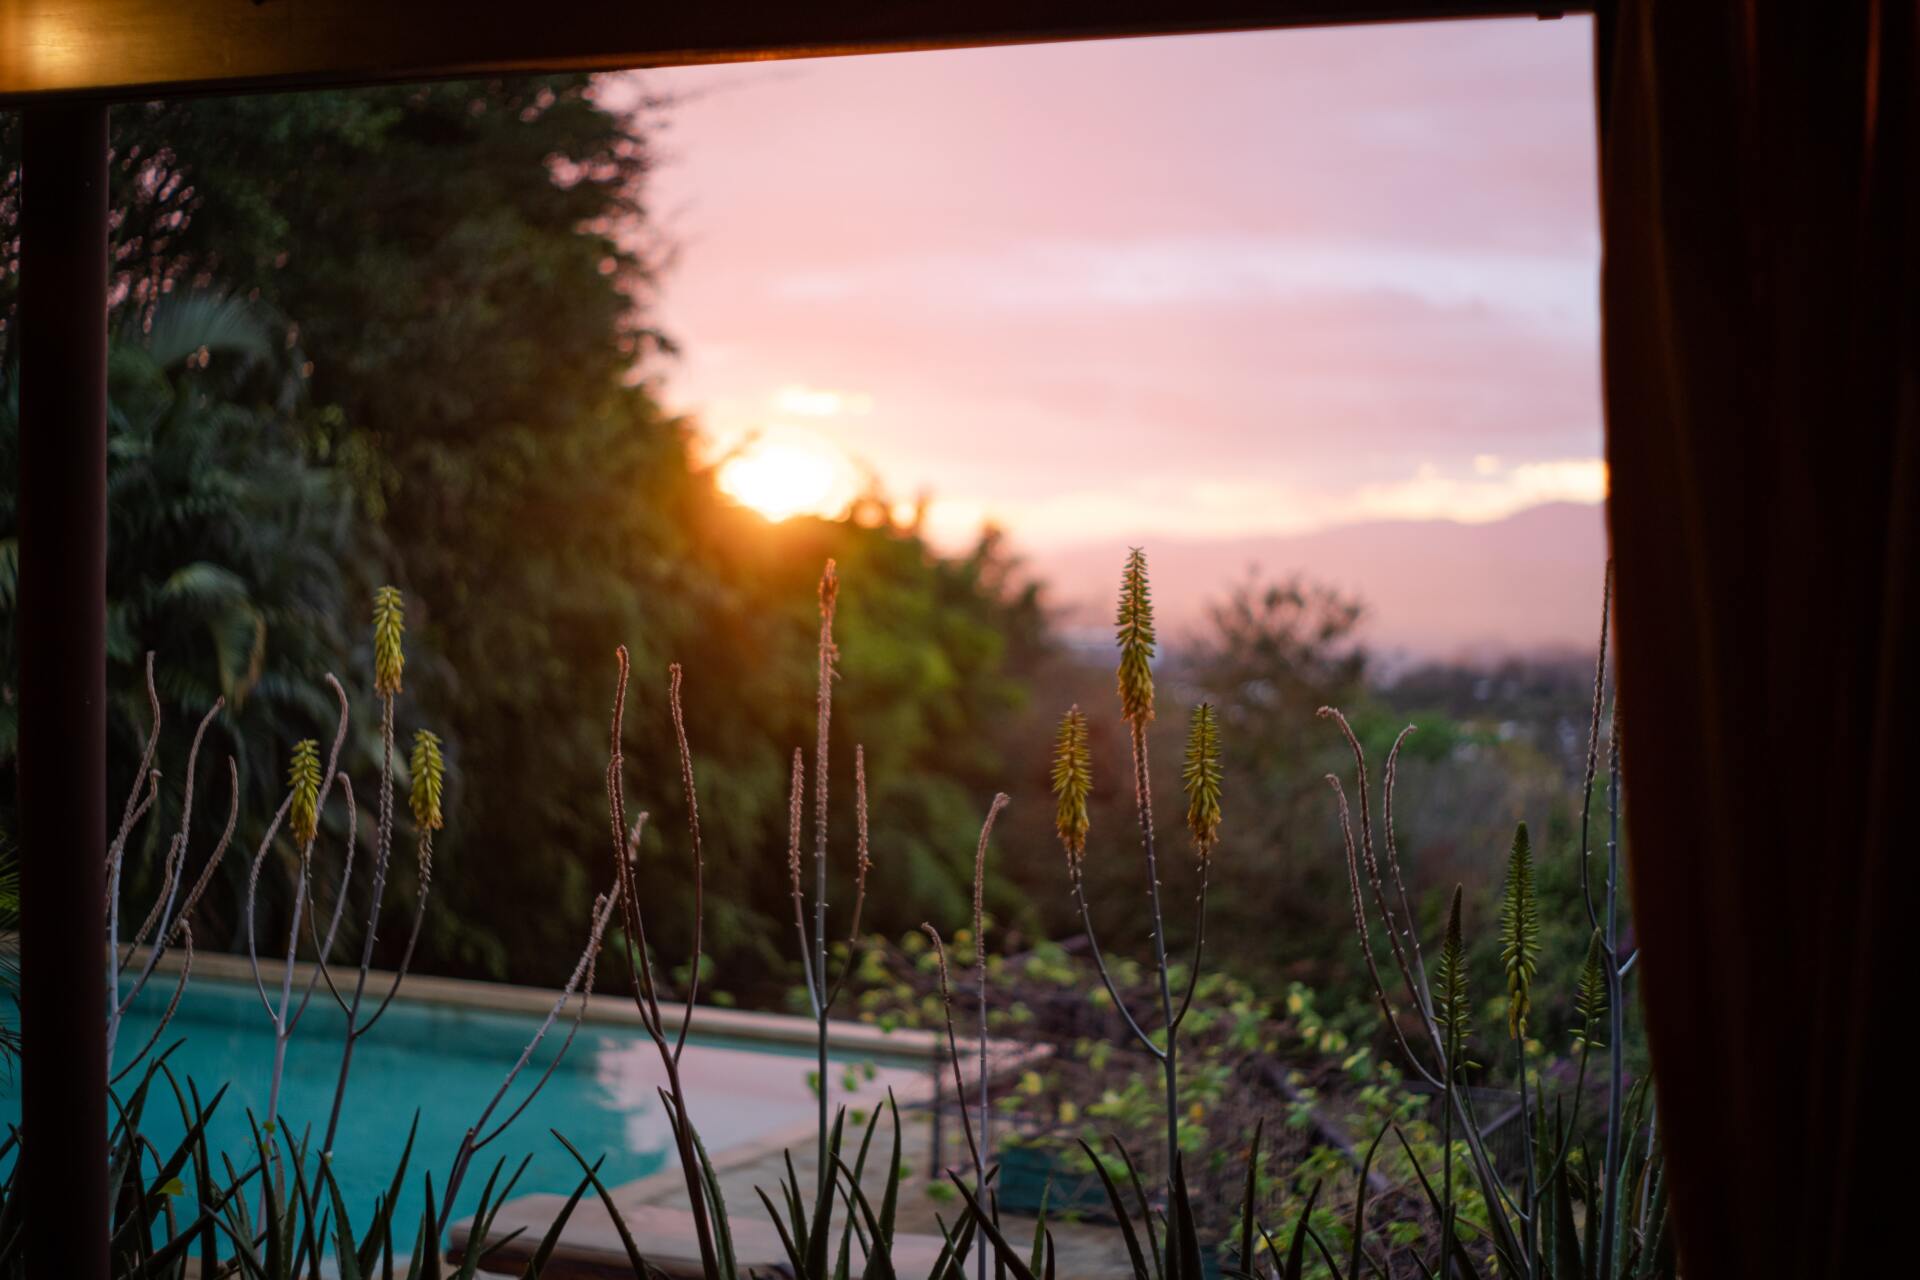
452, 283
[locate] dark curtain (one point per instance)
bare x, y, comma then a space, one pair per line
1761, 360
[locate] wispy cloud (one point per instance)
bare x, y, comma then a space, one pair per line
1214, 286
1219, 270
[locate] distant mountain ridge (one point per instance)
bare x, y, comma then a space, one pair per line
1432, 588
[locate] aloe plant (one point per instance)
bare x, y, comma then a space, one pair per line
427, 769
1532, 1222
1072, 785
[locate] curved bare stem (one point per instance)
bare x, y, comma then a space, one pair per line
1199, 946
1416, 989
323, 949
1363, 930
573, 1028
219, 850
253, 893
472, 1142
863, 863
796, 789
1393, 857
625, 850
699, 858
1100, 964
160, 920
953, 1044
413, 934
1593, 747
173, 1006
178, 921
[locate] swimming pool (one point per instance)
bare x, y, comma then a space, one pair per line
444, 1061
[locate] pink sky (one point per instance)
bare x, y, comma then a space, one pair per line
1220, 285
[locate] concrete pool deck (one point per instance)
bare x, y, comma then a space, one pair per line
655, 1206
655, 1210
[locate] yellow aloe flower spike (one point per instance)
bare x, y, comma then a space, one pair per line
1202, 777
429, 774
389, 626
1133, 626
303, 775
1072, 783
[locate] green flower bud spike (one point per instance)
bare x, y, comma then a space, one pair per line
1520, 933
429, 776
1202, 777
1452, 1011
389, 626
1590, 1000
303, 775
1133, 626
1072, 783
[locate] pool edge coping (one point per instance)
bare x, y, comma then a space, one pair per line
607, 1008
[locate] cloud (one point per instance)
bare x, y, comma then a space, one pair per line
818, 402
1221, 270
1163, 505
1492, 492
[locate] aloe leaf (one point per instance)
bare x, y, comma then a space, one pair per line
1297, 1249
819, 1237
890, 1200
544, 1251
641, 1267
1038, 1257
717, 1223
1120, 1212
1246, 1201
380, 1234
347, 1256
1003, 1251
786, 1237
1360, 1208
1146, 1210
1182, 1231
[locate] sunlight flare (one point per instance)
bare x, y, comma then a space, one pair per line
788, 476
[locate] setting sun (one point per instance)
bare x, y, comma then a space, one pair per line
787, 477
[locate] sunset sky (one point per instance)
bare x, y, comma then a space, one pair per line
1217, 286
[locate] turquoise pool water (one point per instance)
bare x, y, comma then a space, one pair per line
444, 1062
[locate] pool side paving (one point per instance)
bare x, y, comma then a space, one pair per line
655, 1207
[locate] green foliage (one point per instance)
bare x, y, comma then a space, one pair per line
435, 383
226, 547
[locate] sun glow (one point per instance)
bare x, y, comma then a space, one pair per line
787, 476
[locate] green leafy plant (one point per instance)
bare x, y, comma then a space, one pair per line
1533, 1216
